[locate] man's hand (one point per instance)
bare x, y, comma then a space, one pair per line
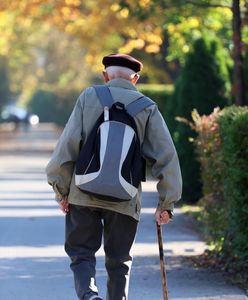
162, 217
64, 204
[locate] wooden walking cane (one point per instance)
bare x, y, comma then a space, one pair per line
162, 263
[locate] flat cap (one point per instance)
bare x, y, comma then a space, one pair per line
122, 60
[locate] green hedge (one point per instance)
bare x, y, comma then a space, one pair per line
53, 107
57, 107
234, 135
222, 146
5, 93
162, 95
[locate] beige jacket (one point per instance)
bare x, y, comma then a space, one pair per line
157, 147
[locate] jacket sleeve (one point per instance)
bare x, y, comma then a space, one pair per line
159, 149
61, 166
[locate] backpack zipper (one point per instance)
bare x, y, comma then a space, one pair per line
89, 164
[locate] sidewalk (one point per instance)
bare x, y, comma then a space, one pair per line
33, 264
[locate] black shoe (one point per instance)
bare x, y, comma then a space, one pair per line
91, 296
95, 297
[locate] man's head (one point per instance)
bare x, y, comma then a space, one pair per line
121, 66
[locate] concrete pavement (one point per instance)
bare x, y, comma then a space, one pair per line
33, 264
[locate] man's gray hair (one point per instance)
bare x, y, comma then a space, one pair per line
114, 71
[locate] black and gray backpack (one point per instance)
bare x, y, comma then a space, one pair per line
110, 165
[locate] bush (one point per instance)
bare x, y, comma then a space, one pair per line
51, 107
208, 150
222, 147
161, 94
203, 84
234, 136
5, 93
57, 107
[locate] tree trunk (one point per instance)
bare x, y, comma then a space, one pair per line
238, 88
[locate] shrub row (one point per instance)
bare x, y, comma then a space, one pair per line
57, 107
222, 148
53, 107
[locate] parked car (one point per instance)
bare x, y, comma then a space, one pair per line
18, 116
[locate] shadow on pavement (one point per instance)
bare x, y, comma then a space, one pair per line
33, 264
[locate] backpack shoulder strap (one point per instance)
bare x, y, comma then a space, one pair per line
138, 105
104, 95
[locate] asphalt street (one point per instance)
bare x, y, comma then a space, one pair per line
33, 264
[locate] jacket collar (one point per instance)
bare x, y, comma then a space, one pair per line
122, 83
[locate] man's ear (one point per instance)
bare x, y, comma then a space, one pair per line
105, 76
135, 79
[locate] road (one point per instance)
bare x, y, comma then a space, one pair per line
33, 264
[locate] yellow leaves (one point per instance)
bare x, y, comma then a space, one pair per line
144, 3
214, 20
57, 20
93, 23
225, 12
177, 31
145, 37
190, 26
66, 11
124, 13
115, 7
121, 13
140, 43
73, 2
171, 28
152, 48
27, 23
69, 14
131, 32
152, 38
70, 28
193, 22
6, 32
140, 4
187, 24
131, 45
3, 18
186, 48
78, 25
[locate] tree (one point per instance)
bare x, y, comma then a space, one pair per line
186, 20
238, 89
28, 31
202, 85
155, 28
127, 25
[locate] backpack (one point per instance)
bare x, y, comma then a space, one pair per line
110, 165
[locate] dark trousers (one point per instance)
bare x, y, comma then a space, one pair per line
84, 229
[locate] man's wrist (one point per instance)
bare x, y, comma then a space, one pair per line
58, 198
170, 212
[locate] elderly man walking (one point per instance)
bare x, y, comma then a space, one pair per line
89, 217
